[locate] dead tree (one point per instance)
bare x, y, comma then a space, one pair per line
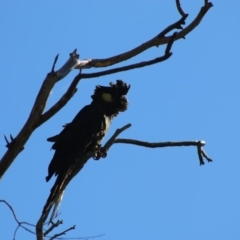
40, 115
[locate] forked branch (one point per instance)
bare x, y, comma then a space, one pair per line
20, 224
73, 86
37, 116
198, 144
158, 40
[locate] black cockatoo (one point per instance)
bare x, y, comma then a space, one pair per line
81, 139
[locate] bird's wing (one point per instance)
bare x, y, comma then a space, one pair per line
76, 138
70, 145
54, 138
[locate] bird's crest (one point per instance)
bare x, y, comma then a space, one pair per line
106, 93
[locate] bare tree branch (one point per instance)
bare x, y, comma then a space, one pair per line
167, 55
72, 63
20, 224
37, 117
54, 63
86, 238
113, 139
72, 89
199, 144
18, 143
54, 225
62, 233
156, 41
179, 8
73, 86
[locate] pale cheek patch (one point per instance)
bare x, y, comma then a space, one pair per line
107, 97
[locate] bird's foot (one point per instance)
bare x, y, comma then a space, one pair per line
101, 153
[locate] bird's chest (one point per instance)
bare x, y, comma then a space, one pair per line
106, 123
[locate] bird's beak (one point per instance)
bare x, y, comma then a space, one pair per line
124, 103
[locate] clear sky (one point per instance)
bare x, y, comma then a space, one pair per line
135, 193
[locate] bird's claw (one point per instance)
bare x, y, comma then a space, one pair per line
101, 153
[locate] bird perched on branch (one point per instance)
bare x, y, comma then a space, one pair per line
81, 139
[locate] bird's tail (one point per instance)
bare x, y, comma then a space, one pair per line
56, 206
54, 198
60, 185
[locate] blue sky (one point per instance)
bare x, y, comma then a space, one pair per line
135, 193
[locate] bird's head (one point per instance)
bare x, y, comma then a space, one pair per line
112, 98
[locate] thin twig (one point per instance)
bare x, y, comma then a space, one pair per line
54, 63
167, 55
111, 141
54, 225
204, 154
8, 143
196, 21
20, 224
176, 25
156, 41
62, 233
200, 157
35, 118
198, 144
73, 87
84, 238
179, 8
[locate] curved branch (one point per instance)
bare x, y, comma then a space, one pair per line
196, 21
167, 55
179, 8
36, 117
72, 89
20, 224
17, 145
160, 39
54, 225
73, 86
